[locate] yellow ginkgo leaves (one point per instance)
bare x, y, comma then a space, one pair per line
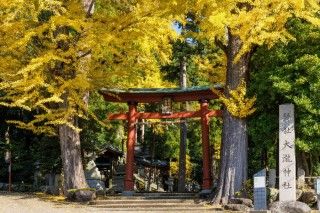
238, 104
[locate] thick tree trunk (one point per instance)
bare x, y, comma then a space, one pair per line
74, 177
183, 130
233, 167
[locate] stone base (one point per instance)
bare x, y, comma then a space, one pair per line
289, 207
81, 195
237, 207
205, 192
128, 193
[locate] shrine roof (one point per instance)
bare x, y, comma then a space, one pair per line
149, 95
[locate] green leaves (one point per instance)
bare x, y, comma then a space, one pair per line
288, 73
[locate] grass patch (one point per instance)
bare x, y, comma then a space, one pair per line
52, 198
82, 189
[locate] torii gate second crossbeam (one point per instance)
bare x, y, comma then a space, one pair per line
135, 96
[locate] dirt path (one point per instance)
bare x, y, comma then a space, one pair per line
25, 203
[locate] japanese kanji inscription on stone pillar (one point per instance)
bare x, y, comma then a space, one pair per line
287, 160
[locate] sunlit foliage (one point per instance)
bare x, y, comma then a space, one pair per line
52, 53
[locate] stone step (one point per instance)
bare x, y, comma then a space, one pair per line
149, 198
149, 205
157, 209
147, 201
168, 197
157, 194
153, 202
166, 194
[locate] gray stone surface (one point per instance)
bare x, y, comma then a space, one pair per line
96, 184
289, 207
81, 195
244, 201
91, 171
301, 178
94, 177
287, 160
272, 178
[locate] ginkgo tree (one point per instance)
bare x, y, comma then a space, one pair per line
53, 52
237, 27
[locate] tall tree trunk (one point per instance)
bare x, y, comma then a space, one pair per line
183, 129
233, 167
73, 172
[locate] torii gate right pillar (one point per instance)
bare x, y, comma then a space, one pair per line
129, 180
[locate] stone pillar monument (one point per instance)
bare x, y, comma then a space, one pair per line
287, 160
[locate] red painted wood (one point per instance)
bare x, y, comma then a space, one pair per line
158, 97
206, 164
156, 115
128, 182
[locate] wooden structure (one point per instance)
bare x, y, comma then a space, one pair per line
106, 162
135, 96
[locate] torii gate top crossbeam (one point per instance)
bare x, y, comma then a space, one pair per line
158, 94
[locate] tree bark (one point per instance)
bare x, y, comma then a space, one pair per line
73, 172
233, 166
183, 130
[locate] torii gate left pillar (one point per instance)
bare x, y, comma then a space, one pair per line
206, 158
131, 140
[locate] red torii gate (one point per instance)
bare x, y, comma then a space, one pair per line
135, 96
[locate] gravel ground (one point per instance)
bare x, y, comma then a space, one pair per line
25, 203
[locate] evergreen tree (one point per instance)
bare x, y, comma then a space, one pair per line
287, 73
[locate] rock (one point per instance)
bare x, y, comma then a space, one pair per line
101, 192
94, 177
309, 197
301, 178
81, 195
91, 171
99, 185
289, 207
244, 201
237, 207
298, 193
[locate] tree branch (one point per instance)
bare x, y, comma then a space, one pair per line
220, 44
84, 54
89, 14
